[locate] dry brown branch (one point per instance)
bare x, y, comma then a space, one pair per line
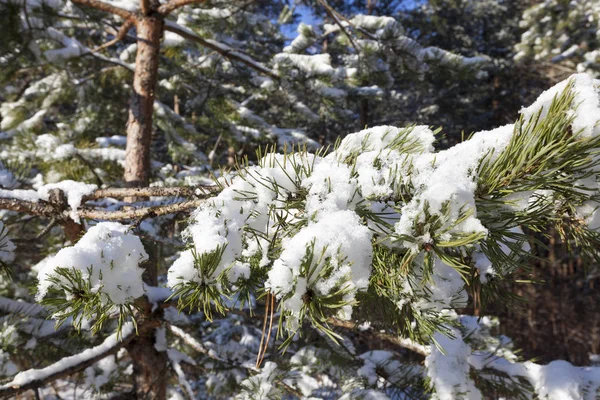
41, 208
120, 35
59, 212
180, 191
139, 213
173, 5
99, 5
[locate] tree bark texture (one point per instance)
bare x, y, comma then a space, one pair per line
150, 366
139, 127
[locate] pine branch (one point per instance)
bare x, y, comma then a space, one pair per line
220, 48
21, 307
34, 378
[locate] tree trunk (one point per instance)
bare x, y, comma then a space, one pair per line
139, 127
150, 367
363, 114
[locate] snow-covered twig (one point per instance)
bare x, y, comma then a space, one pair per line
45, 209
21, 307
34, 378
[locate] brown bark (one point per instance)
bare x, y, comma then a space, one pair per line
150, 367
72, 229
139, 126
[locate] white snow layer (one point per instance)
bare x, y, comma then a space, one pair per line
108, 255
366, 169
32, 375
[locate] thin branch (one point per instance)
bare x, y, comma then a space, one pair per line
139, 213
394, 339
99, 5
34, 378
180, 191
173, 5
220, 48
43, 209
49, 210
47, 229
121, 34
332, 14
145, 7
21, 308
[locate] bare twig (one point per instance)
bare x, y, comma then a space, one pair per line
59, 213
139, 213
99, 5
41, 208
64, 368
333, 15
180, 191
220, 48
120, 35
47, 228
173, 5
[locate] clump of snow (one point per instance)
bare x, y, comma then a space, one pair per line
587, 100
311, 65
261, 386
115, 140
100, 373
7, 366
108, 255
74, 192
449, 372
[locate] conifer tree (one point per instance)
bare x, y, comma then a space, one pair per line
304, 271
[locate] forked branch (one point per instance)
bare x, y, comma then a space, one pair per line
119, 37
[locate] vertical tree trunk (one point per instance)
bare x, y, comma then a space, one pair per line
150, 367
139, 127
363, 113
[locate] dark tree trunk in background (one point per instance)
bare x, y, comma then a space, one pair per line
363, 114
